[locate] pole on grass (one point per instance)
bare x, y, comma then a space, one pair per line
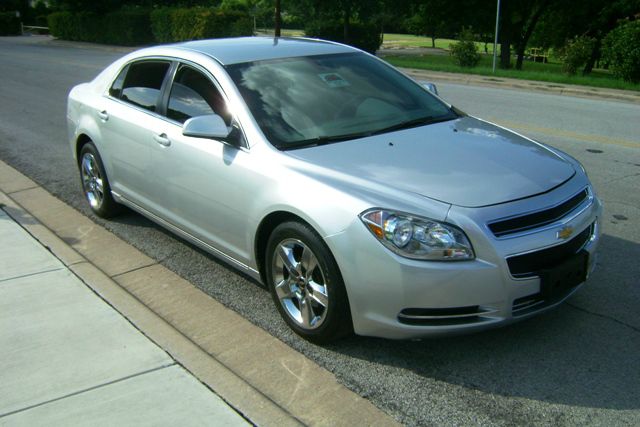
495, 40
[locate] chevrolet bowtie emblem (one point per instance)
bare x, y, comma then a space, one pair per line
565, 233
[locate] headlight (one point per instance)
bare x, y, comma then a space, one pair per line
418, 238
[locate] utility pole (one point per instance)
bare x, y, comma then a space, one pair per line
495, 40
277, 19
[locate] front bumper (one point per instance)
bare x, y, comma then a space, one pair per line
395, 297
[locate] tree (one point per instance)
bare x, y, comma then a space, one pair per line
518, 20
622, 50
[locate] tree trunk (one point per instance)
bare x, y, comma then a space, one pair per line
505, 52
277, 19
347, 22
520, 48
433, 42
595, 55
528, 31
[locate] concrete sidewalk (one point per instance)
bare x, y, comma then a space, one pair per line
68, 358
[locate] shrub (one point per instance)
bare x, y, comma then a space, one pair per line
465, 51
127, 27
179, 24
161, 25
81, 26
124, 27
363, 36
576, 53
622, 51
9, 24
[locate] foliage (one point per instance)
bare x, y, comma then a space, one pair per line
9, 24
465, 51
127, 27
576, 53
363, 36
123, 27
622, 51
178, 24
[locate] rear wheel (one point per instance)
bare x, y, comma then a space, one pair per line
306, 285
95, 184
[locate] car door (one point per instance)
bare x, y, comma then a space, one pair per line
130, 119
205, 183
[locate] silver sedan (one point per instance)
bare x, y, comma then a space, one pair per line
362, 200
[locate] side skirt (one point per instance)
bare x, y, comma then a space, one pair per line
255, 274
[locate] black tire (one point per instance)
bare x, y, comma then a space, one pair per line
313, 301
95, 184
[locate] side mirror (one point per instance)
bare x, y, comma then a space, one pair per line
431, 87
209, 126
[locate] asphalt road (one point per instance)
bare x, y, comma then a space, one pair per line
578, 365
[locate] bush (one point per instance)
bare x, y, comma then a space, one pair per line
576, 53
9, 24
124, 27
82, 26
179, 24
465, 51
127, 27
135, 26
622, 51
363, 36
161, 26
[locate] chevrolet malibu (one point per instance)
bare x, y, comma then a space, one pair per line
363, 201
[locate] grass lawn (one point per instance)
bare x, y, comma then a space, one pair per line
550, 72
391, 40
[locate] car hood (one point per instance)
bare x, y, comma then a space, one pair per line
465, 162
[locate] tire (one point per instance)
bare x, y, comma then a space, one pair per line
95, 184
313, 301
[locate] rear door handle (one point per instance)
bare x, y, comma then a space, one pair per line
104, 116
162, 139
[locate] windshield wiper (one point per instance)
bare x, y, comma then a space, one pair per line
323, 140
407, 124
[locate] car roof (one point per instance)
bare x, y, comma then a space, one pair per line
249, 49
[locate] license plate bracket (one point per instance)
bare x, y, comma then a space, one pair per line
558, 281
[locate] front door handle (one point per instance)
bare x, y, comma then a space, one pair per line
104, 116
162, 139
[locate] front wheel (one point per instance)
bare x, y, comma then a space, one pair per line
95, 184
306, 285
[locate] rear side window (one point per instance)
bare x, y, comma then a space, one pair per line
140, 83
194, 94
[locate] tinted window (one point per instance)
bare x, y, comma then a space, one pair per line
141, 84
308, 100
193, 94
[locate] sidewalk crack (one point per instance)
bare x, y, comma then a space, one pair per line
75, 393
31, 274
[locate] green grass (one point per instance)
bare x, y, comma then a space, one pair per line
404, 41
550, 72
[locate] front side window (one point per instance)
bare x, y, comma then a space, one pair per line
140, 83
312, 100
194, 94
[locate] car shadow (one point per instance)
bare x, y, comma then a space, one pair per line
584, 353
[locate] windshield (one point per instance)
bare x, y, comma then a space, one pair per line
313, 100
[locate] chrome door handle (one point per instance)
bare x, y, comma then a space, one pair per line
104, 116
162, 139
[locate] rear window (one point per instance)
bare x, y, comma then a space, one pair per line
140, 83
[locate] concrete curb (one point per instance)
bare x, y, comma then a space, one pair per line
266, 381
